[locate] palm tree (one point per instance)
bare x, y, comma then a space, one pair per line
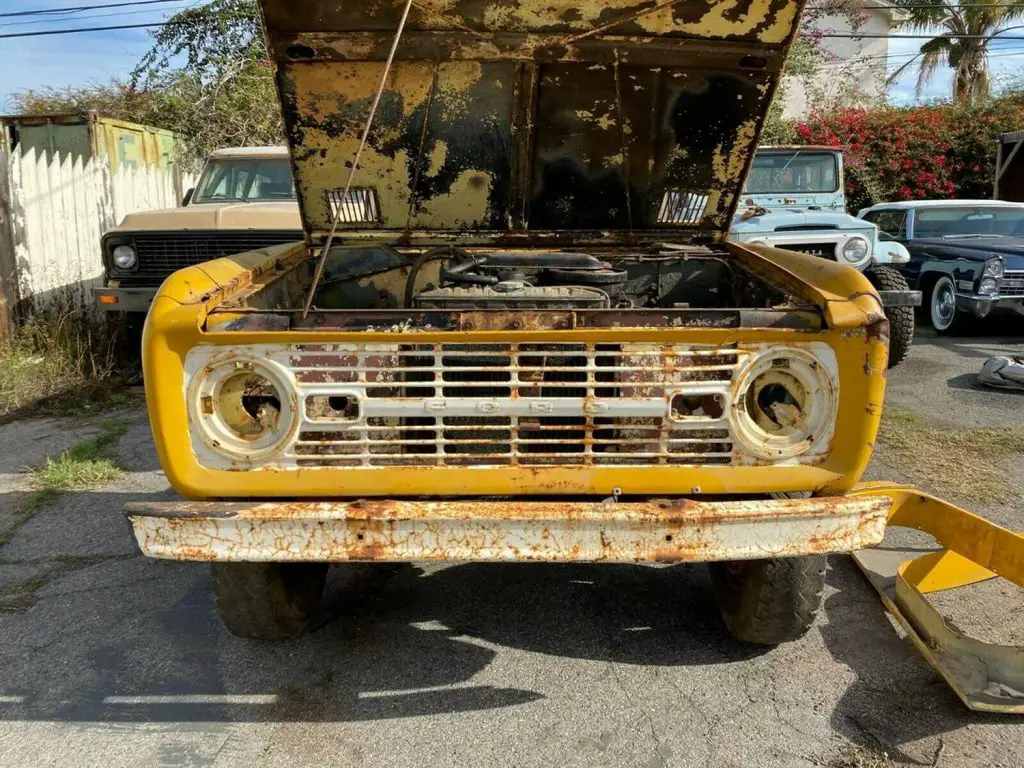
965, 31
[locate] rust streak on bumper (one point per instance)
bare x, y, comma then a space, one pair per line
676, 530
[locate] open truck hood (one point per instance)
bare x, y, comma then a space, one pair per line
528, 121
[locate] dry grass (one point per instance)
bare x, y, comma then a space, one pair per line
85, 465
60, 362
969, 464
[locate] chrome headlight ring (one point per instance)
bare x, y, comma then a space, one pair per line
854, 250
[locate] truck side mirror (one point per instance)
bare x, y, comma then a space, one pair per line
188, 196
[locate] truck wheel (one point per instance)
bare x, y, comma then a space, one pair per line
901, 319
768, 601
268, 601
942, 305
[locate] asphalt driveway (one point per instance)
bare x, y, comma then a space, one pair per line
111, 659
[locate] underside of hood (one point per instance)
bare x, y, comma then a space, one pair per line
527, 121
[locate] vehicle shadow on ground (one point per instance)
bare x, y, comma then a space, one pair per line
1004, 336
897, 698
113, 636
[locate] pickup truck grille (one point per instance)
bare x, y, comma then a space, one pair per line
1013, 284
512, 404
162, 253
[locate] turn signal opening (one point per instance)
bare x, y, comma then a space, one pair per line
697, 407
344, 407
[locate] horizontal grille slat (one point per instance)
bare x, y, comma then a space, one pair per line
514, 404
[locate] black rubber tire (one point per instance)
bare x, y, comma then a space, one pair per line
268, 601
943, 283
901, 319
768, 602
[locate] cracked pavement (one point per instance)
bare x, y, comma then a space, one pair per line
111, 659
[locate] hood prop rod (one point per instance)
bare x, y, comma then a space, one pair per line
319, 273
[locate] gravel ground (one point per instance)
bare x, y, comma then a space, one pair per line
110, 659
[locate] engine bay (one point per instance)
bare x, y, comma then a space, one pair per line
451, 278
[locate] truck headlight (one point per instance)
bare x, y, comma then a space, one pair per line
124, 257
855, 249
243, 409
784, 404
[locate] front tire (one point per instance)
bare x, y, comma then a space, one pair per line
901, 319
769, 602
942, 305
268, 601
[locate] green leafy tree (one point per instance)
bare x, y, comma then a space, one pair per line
965, 32
207, 77
211, 65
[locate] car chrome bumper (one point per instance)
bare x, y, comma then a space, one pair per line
982, 306
674, 530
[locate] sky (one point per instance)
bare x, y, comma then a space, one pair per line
60, 60
1005, 58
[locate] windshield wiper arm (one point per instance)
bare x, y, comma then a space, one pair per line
969, 234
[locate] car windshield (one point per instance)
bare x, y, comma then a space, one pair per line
245, 180
781, 172
964, 220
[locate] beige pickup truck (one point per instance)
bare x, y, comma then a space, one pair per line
244, 199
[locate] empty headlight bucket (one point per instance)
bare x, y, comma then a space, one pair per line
785, 404
854, 249
243, 409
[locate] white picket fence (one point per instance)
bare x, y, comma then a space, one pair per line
60, 206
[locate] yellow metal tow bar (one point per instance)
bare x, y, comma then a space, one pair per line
986, 676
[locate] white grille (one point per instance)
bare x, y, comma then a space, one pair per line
358, 207
504, 404
678, 207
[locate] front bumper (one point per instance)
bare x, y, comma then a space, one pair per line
125, 299
982, 306
676, 530
900, 298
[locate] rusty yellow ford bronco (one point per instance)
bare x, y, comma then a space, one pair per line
516, 332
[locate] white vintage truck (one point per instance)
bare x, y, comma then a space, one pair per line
794, 199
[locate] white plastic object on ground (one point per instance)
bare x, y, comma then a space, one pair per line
1003, 372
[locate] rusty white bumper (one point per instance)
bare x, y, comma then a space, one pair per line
554, 531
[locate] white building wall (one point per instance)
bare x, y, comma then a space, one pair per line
855, 75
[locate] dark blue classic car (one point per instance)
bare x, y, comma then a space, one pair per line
966, 256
